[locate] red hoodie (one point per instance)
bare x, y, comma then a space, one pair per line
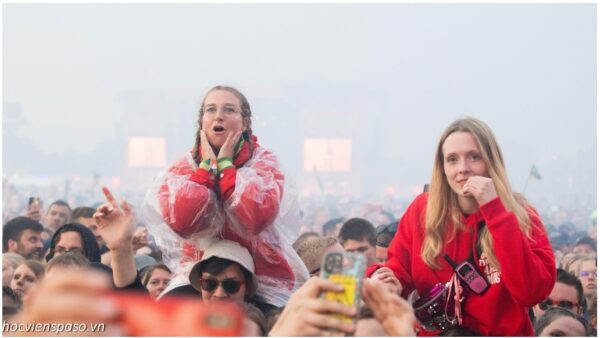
527, 266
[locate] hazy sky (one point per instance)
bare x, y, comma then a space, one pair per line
391, 77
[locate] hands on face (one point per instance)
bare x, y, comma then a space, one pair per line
116, 223
306, 314
227, 149
481, 188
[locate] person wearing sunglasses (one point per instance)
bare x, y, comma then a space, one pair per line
383, 236
470, 215
567, 293
225, 273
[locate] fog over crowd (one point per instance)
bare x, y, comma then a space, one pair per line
231, 153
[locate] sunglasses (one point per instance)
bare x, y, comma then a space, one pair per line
230, 286
585, 274
384, 234
565, 304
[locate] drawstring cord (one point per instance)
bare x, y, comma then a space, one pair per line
458, 298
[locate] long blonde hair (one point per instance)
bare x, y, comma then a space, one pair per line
442, 219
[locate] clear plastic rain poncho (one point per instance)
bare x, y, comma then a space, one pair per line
261, 214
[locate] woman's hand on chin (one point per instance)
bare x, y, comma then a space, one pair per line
228, 148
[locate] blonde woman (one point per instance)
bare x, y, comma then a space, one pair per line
587, 272
471, 215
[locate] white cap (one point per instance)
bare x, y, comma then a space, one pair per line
229, 250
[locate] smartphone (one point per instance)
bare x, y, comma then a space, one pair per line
348, 270
177, 316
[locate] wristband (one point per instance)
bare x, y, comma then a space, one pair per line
224, 163
205, 165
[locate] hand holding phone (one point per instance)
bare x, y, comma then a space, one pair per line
307, 314
34, 208
346, 269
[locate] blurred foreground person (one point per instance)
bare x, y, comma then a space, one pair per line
87, 298
471, 218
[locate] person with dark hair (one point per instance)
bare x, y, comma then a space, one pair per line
358, 235
470, 224
85, 216
383, 236
225, 272
566, 293
228, 187
332, 227
74, 237
585, 245
560, 322
21, 235
156, 278
57, 215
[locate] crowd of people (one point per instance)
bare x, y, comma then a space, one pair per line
221, 234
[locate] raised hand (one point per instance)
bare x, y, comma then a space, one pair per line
34, 213
481, 188
140, 238
228, 148
116, 223
308, 315
394, 313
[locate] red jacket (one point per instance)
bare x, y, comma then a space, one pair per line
527, 268
243, 209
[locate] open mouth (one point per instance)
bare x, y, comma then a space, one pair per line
218, 129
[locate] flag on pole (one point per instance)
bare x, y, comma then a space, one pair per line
534, 173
